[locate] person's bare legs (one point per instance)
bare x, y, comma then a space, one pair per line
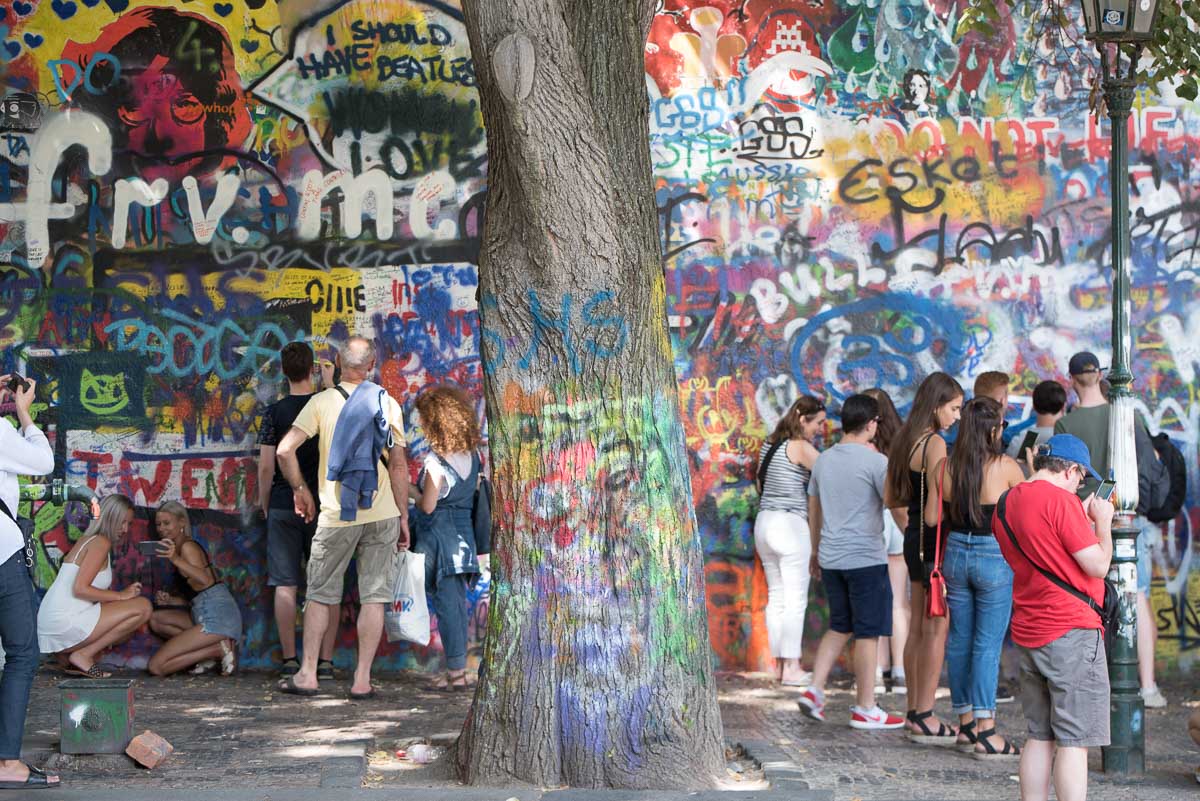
118, 621
865, 656
898, 575
933, 654
912, 648
1037, 758
316, 620
832, 643
1147, 641
370, 631
169, 623
1070, 774
285, 620
329, 641
189, 648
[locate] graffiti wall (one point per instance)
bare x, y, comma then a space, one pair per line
849, 197
183, 190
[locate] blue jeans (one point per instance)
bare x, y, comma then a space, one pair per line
449, 599
18, 632
979, 592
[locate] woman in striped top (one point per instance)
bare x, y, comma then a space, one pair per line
781, 534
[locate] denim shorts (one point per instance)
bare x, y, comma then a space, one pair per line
288, 538
216, 612
1145, 567
860, 601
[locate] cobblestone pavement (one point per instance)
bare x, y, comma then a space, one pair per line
884, 765
241, 732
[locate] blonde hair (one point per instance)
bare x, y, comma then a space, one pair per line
108, 524
179, 512
448, 420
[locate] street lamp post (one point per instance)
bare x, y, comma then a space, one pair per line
1122, 27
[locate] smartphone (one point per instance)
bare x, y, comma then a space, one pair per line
149, 548
1027, 443
17, 382
1105, 490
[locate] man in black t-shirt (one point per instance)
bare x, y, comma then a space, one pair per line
288, 536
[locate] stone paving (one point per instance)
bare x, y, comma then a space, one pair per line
884, 765
241, 733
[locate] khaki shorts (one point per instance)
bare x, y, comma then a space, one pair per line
374, 544
1064, 690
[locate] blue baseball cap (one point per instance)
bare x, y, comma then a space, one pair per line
1069, 448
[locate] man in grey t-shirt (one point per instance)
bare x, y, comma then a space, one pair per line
845, 517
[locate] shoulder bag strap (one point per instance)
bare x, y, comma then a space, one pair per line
762, 468
937, 543
1053, 579
921, 496
342, 390
7, 512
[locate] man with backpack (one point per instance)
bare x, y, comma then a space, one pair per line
1089, 421
1059, 550
364, 507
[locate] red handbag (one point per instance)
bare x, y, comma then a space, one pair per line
935, 597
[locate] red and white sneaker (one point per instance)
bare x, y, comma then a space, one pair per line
873, 719
813, 704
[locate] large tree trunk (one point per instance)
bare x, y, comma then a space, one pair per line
596, 669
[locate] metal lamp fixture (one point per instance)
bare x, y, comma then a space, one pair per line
1120, 20
1126, 25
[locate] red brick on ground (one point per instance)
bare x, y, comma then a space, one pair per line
148, 749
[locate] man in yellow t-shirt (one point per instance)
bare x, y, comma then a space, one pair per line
373, 536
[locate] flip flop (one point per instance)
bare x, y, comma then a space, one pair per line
94, 672
368, 695
37, 780
288, 686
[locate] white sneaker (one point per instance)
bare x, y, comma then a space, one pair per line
812, 705
203, 667
802, 680
1152, 698
871, 719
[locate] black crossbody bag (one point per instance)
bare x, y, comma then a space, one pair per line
27, 543
1109, 618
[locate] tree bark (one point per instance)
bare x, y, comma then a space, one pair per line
596, 669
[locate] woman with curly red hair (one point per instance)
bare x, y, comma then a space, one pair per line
442, 529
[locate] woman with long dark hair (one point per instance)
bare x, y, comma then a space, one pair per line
781, 535
978, 579
917, 448
891, 649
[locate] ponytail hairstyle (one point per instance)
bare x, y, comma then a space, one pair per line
801, 411
978, 445
935, 391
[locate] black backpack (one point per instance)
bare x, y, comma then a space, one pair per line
1176, 467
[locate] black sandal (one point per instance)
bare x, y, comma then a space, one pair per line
967, 730
290, 667
944, 736
325, 670
290, 687
36, 780
989, 751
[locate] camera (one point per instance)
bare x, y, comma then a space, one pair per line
17, 382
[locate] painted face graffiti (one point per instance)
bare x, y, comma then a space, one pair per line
167, 83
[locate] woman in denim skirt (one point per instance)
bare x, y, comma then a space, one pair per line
978, 579
214, 628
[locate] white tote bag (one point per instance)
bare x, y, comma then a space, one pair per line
408, 616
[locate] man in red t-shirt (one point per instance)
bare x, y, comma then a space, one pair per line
1064, 671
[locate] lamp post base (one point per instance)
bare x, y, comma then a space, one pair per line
1127, 716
